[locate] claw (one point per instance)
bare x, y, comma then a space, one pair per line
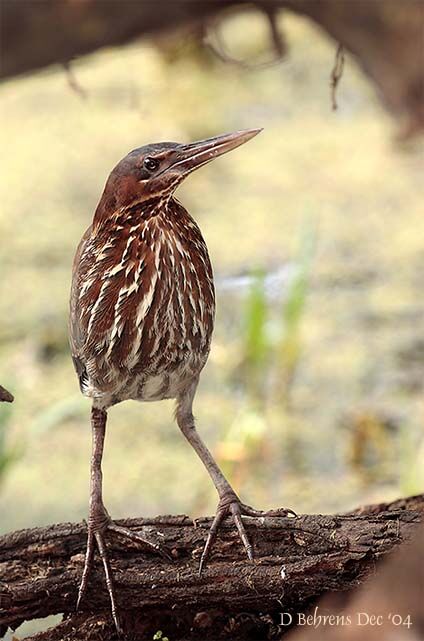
162, 550
88, 563
219, 517
233, 506
236, 512
280, 512
96, 537
109, 580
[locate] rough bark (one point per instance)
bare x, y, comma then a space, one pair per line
388, 606
297, 560
385, 36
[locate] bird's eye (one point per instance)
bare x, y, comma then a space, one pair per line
151, 163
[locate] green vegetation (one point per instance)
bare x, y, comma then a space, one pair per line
255, 346
293, 377
289, 348
9, 454
159, 637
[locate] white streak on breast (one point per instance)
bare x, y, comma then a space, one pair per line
100, 298
113, 271
127, 249
86, 286
146, 302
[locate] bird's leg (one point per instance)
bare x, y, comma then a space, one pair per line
99, 521
229, 503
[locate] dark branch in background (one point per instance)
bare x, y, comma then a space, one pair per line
5, 396
211, 33
297, 560
384, 37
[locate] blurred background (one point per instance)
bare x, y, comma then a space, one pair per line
312, 396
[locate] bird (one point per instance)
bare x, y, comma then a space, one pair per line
142, 310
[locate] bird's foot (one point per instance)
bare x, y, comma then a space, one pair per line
230, 505
99, 525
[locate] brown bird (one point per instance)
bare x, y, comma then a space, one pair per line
141, 317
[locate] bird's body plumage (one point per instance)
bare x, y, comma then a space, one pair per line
142, 304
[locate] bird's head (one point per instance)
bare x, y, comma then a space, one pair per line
155, 171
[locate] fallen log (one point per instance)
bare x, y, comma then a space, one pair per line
389, 605
297, 560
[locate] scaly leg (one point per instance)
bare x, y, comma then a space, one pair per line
229, 503
99, 521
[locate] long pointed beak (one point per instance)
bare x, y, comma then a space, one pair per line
199, 153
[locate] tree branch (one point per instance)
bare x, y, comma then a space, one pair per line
297, 559
385, 37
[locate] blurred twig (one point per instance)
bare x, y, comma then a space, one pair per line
73, 82
336, 74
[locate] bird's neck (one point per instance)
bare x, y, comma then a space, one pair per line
166, 209
109, 212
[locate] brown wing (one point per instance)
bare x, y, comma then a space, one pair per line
76, 331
